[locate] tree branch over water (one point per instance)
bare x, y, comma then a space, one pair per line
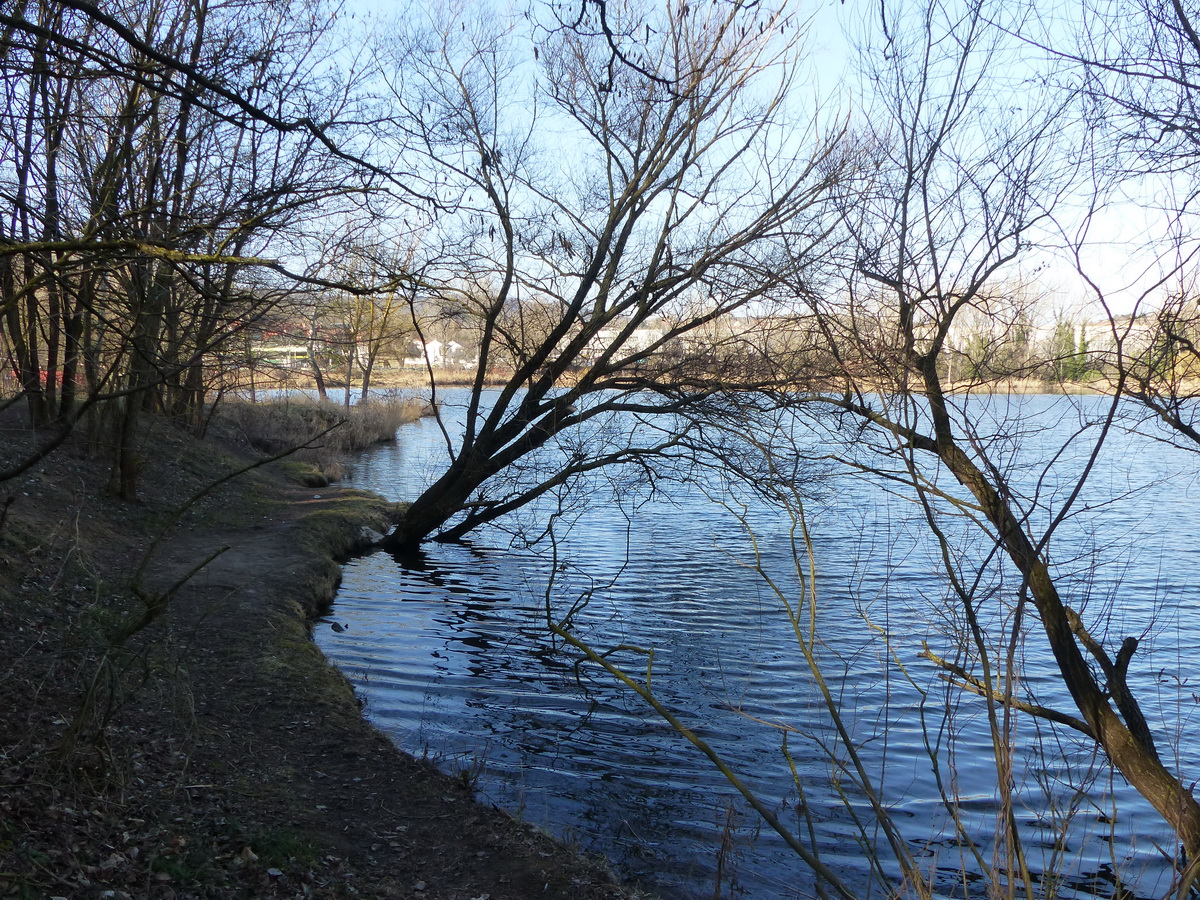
612, 283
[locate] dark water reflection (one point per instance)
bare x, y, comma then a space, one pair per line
450, 648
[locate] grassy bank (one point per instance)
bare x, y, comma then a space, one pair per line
212, 751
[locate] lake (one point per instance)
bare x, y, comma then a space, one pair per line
451, 653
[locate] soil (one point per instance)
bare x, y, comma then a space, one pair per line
177, 734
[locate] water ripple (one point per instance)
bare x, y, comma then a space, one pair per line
455, 661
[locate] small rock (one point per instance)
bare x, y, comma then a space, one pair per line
369, 536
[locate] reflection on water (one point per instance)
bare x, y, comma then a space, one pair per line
449, 646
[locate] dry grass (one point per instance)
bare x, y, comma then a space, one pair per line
324, 432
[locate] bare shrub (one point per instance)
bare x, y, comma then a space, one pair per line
323, 431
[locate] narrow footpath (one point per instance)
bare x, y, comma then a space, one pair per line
216, 753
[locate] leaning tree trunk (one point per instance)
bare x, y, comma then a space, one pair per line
485, 457
437, 504
1133, 754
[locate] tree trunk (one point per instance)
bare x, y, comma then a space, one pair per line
489, 455
73, 331
1135, 760
21, 335
318, 375
435, 506
367, 367
123, 477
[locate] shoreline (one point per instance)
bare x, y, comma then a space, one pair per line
419, 857
227, 757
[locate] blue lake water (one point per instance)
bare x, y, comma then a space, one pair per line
452, 654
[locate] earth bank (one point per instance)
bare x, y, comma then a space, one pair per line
211, 751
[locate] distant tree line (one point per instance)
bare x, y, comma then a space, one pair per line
164, 167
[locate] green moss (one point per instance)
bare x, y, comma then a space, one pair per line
297, 664
189, 868
336, 529
280, 847
303, 473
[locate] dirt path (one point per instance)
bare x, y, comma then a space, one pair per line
233, 760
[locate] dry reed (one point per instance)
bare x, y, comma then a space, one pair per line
324, 432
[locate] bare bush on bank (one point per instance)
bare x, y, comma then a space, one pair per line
324, 431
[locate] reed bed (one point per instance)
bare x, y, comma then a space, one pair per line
320, 432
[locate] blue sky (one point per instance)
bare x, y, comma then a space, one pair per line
1115, 257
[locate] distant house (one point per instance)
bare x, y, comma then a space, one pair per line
639, 339
439, 354
285, 356
424, 354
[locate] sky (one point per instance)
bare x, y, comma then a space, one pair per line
1115, 257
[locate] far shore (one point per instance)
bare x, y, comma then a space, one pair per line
418, 379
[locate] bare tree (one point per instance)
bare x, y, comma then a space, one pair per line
1141, 62
963, 165
1156, 361
605, 218
157, 176
961, 184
